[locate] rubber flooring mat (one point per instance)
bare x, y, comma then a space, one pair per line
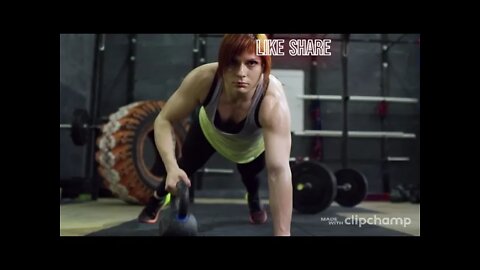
232, 220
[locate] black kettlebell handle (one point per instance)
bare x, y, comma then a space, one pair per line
183, 197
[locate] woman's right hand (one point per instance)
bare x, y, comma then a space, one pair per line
173, 177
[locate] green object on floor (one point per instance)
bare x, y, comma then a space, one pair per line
84, 197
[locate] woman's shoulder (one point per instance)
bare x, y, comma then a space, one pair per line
201, 76
275, 88
274, 102
206, 70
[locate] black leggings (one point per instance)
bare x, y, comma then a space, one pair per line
196, 151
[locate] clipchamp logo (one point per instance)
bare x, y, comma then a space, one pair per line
355, 220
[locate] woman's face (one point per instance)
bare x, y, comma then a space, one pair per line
243, 72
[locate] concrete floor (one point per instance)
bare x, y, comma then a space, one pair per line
85, 217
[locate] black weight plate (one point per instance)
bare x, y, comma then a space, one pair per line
314, 187
79, 132
358, 187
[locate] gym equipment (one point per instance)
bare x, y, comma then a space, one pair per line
176, 220
315, 187
404, 193
128, 160
359, 98
79, 128
382, 109
414, 196
352, 187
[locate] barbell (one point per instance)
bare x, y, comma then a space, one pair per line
315, 187
79, 128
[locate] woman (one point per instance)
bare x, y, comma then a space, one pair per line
243, 116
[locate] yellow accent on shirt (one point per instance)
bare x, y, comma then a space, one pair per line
232, 147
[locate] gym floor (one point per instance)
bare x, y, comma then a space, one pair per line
228, 217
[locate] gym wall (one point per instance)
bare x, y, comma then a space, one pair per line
76, 71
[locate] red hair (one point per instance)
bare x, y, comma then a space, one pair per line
234, 45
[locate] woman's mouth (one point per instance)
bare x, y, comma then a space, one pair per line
241, 84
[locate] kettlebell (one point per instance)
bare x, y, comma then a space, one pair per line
176, 220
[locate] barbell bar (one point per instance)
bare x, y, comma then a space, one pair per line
218, 171
69, 126
200, 173
357, 134
359, 98
387, 159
